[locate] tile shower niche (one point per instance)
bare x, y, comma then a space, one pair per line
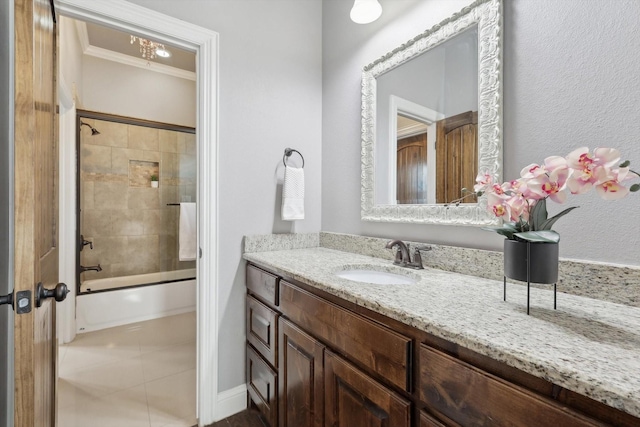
140, 172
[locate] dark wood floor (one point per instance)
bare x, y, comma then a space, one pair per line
248, 418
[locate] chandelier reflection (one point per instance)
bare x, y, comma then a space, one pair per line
148, 49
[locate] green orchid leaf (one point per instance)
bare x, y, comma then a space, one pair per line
510, 225
625, 164
538, 214
503, 231
546, 225
634, 188
546, 236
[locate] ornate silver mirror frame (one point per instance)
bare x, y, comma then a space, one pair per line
487, 15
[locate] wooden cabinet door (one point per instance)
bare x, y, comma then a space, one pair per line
353, 399
35, 211
301, 380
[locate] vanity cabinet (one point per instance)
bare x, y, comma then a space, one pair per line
355, 399
316, 360
302, 379
472, 396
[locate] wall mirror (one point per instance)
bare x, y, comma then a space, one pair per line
431, 119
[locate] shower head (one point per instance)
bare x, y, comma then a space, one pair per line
94, 131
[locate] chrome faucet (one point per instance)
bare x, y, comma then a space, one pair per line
403, 257
402, 254
90, 268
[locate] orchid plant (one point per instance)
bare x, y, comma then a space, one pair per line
522, 202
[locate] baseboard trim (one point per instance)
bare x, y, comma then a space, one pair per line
231, 401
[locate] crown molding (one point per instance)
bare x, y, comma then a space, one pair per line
109, 55
121, 58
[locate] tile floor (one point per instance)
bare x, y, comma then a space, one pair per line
137, 375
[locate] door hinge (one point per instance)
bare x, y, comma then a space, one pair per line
20, 302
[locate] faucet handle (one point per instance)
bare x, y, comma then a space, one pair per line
423, 248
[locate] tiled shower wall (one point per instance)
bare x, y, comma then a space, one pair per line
132, 229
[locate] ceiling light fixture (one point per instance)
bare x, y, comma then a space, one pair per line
365, 11
148, 48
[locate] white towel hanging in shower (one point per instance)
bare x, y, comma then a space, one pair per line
187, 234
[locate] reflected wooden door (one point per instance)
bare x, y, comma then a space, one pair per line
411, 170
456, 156
36, 208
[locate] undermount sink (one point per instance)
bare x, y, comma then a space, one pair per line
365, 275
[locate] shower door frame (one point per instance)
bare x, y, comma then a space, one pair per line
106, 117
128, 17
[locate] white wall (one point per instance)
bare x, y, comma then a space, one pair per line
270, 99
570, 80
115, 88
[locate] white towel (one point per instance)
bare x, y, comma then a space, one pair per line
187, 234
293, 194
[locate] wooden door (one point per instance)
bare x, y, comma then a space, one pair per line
411, 170
456, 156
301, 380
353, 399
35, 210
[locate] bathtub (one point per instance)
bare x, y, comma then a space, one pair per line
104, 303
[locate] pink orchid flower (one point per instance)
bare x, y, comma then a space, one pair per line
590, 168
518, 207
483, 181
550, 164
551, 185
532, 171
611, 188
498, 205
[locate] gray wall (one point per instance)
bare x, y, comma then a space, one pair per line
6, 208
570, 80
270, 98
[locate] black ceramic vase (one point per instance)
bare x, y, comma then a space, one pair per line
544, 261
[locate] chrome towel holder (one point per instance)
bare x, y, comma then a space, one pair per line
288, 152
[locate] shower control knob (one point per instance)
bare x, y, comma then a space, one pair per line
84, 243
59, 293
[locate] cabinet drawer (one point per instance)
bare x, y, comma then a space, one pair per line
354, 399
263, 285
262, 386
262, 324
471, 396
373, 346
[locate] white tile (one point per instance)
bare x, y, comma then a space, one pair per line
168, 361
71, 396
101, 347
102, 375
187, 422
108, 378
166, 332
127, 408
172, 399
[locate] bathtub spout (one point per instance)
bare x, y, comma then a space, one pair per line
90, 268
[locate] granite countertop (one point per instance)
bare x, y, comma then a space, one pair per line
588, 346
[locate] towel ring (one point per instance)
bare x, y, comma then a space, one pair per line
288, 152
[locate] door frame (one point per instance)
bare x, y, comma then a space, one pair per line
137, 20
422, 114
